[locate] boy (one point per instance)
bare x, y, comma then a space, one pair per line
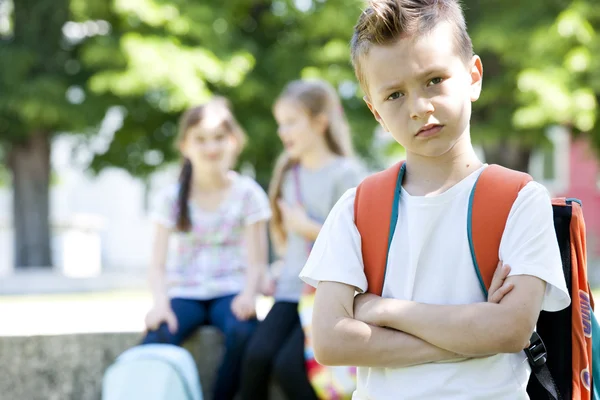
432, 335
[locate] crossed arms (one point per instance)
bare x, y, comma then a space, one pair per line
371, 331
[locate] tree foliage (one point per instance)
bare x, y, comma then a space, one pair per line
65, 63
174, 54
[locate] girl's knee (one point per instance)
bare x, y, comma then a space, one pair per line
240, 332
161, 335
255, 357
283, 369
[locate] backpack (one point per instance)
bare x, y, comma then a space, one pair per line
152, 372
566, 363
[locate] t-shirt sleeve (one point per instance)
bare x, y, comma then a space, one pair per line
530, 247
336, 255
164, 208
256, 203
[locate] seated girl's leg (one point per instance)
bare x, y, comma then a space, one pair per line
190, 315
237, 335
289, 368
263, 349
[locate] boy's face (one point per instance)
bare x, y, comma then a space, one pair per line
420, 91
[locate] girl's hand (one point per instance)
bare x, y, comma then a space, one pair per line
294, 217
268, 285
269, 282
160, 313
498, 288
244, 306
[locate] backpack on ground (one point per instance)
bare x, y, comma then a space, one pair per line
566, 364
152, 372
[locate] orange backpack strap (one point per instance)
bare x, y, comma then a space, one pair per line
490, 203
582, 307
375, 216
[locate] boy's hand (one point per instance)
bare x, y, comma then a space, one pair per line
498, 288
368, 308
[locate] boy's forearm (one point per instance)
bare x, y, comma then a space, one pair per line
353, 342
472, 329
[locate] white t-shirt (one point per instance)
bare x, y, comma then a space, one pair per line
429, 262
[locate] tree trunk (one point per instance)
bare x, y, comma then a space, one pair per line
510, 155
29, 162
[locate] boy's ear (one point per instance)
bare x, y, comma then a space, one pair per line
476, 73
375, 113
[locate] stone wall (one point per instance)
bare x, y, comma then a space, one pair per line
70, 367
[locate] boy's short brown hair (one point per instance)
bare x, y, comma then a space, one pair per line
385, 21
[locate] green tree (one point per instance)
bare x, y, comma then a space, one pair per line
173, 54
63, 63
41, 84
540, 69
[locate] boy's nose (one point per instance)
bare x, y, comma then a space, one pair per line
421, 108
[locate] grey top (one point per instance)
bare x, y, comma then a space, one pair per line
320, 190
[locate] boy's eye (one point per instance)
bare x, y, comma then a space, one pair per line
394, 96
435, 81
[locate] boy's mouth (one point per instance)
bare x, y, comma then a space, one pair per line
429, 130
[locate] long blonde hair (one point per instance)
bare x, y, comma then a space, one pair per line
318, 98
219, 110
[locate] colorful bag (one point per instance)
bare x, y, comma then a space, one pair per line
330, 383
566, 365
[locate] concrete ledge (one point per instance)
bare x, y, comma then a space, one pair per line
71, 367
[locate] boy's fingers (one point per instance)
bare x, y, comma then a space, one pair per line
496, 277
498, 268
494, 286
499, 294
497, 281
500, 275
505, 289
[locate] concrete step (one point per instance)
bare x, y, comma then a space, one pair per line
57, 347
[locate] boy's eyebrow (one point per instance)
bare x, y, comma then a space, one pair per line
397, 84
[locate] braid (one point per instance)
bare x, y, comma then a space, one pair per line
184, 223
